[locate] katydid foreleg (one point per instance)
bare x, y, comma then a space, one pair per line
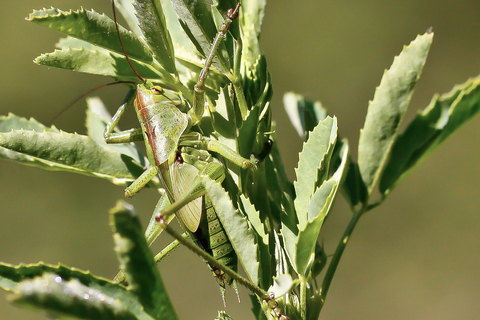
134, 134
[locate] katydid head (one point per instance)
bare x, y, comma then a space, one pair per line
149, 94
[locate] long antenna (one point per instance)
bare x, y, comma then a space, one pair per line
121, 43
83, 95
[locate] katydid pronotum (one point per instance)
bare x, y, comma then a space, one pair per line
180, 156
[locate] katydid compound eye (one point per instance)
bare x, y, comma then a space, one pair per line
156, 90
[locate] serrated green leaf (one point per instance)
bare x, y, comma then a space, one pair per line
96, 121
253, 14
445, 114
60, 151
179, 38
92, 27
251, 19
11, 276
254, 218
128, 12
71, 42
300, 244
265, 253
101, 62
236, 226
318, 209
22, 272
13, 122
59, 298
320, 143
196, 20
257, 86
156, 34
136, 261
307, 237
386, 110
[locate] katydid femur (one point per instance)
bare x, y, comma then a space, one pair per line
181, 156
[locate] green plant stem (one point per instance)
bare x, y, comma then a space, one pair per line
332, 268
303, 299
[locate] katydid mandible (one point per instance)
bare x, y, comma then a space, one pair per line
180, 156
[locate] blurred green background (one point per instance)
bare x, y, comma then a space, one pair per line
415, 257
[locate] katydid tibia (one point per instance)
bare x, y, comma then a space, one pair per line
180, 156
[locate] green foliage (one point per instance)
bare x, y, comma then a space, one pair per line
445, 114
388, 107
272, 223
92, 27
65, 292
136, 261
156, 34
31, 143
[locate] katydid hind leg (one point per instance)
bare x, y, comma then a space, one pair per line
199, 90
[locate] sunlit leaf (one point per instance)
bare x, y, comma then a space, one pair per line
92, 27
30, 283
386, 110
99, 62
444, 116
155, 31
136, 260
61, 151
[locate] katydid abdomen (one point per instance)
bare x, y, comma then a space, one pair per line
219, 245
198, 216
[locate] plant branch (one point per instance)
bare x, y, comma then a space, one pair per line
332, 268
